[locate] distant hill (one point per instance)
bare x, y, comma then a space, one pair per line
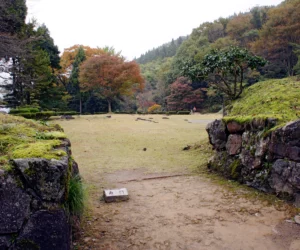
166, 50
272, 32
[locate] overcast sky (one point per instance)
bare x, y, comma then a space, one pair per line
130, 26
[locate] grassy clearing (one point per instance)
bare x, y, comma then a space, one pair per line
101, 145
278, 98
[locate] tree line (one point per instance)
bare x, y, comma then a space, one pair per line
83, 79
218, 59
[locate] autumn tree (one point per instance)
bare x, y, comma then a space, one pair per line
183, 96
279, 37
110, 76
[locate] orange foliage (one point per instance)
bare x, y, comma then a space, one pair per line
154, 107
110, 76
69, 55
238, 25
279, 35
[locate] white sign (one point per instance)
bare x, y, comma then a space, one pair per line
116, 192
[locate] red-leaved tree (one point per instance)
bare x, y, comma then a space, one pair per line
110, 76
182, 96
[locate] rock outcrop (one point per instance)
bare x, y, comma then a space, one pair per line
257, 154
33, 194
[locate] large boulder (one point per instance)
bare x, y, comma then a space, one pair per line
47, 178
234, 127
45, 230
285, 142
217, 134
14, 205
285, 176
234, 144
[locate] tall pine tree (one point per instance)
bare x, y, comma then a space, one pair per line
73, 86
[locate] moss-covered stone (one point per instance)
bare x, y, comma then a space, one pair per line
40, 149
19, 139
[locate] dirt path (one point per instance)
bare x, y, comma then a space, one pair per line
184, 212
181, 210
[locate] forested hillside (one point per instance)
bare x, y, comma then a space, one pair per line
270, 32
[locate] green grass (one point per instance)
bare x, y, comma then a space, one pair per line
276, 98
76, 196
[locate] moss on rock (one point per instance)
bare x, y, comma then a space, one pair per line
276, 98
40, 149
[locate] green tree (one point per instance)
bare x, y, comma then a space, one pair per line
73, 85
12, 20
225, 69
46, 43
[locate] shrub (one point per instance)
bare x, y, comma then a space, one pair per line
38, 115
124, 112
183, 112
59, 113
153, 108
23, 110
171, 112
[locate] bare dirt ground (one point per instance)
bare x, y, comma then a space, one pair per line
169, 207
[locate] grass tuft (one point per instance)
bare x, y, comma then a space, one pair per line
76, 196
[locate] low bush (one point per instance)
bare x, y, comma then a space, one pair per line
59, 113
24, 110
125, 112
183, 112
38, 115
171, 112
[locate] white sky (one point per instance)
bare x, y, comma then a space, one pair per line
130, 26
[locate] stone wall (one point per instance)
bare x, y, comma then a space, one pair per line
257, 154
33, 194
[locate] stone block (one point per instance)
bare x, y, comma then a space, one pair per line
217, 134
14, 206
234, 127
234, 144
46, 230
112, 195
46, 177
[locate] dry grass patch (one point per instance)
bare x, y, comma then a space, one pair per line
103, 145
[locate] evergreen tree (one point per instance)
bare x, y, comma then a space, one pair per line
73, 86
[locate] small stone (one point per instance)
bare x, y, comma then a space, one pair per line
187, 147
297, 219
86, 239
112, 195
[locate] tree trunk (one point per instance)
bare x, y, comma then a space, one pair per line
224, 106
109, 106
80, 105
